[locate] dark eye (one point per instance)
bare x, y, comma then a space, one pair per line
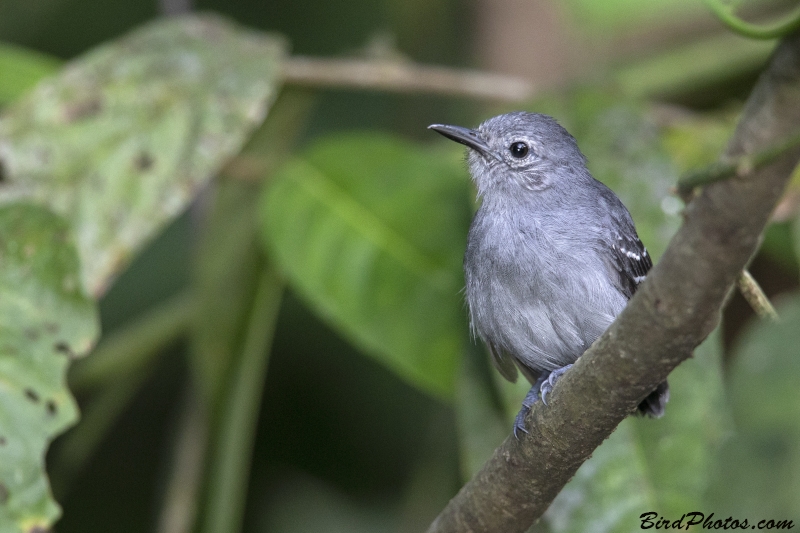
518, 149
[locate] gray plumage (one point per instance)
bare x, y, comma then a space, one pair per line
552, 255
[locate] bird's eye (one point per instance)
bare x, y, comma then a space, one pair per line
518, 149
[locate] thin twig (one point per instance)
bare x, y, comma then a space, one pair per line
400, 76
231, 454
755, 296
179, 508
739, 167
130, 349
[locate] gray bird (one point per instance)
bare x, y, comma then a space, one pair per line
552, 254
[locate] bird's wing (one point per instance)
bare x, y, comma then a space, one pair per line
628, 259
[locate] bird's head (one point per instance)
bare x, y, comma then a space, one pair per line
519, 150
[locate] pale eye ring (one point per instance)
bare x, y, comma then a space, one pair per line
518, 149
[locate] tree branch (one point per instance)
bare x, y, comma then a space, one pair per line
671, 313
404, 77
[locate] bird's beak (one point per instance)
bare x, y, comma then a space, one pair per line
470, 138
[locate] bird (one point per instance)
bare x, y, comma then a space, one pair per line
552, 254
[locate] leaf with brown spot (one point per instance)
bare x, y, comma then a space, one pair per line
121, 140
33, 266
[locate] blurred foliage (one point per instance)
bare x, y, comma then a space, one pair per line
693, 67
726, 13
604, 17
116, 144
367, 230
100, 135
340, 223
22, 69
757, 469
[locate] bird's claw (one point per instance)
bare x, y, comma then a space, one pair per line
527, 403
540, 389
519, 422
549, 383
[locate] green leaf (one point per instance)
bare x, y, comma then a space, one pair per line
646, 465
21, 69
371, 230
121, 140
118, 143
758, 470
45, 321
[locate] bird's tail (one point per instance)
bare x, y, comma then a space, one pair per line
655, 402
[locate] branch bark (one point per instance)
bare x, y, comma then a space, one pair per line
404, 77
671, 313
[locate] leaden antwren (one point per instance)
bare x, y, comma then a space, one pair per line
552, 255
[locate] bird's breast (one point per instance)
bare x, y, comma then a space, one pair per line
533, 292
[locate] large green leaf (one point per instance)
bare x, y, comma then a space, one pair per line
45, 321
370, 231
652, 465
124, 136
758, 470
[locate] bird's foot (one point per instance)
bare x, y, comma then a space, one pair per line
519, 422
549, 383
542, 387
531, 398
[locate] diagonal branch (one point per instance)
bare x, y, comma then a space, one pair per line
671, 313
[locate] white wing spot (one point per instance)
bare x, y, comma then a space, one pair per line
632, 255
